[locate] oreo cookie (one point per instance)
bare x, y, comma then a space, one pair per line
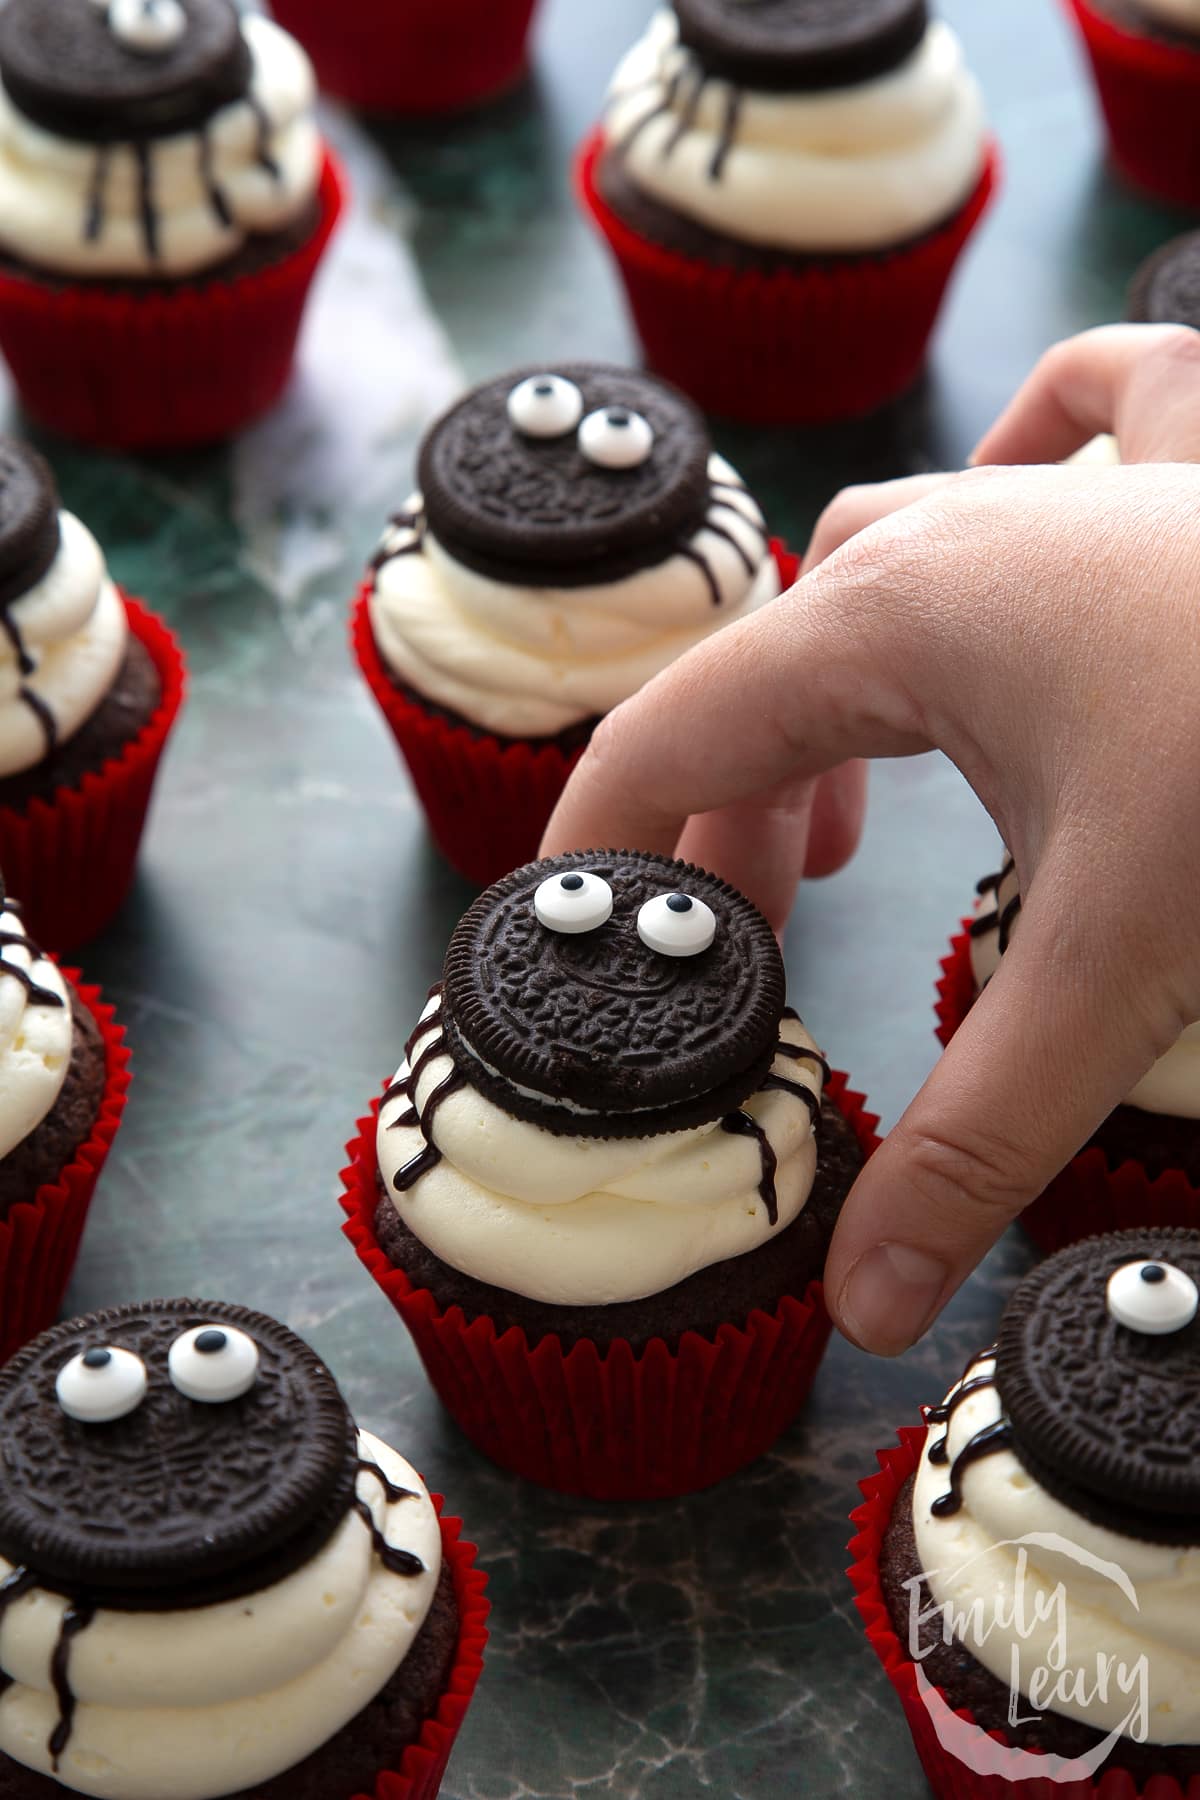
602, 473
1103, 1413
147, 1468
69, 67
795, 46
1166, 288
623, 1020
28, 519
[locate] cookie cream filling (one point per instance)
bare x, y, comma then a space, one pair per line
1117, 1599
189, 202
850, 169
36, 1032
594, 1221
191, 1705
533, 661
70, 631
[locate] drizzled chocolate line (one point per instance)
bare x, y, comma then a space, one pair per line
392, 1493
36, 996
985, 1442
216, 196
402, 521
42, 714
263, 155
755, 525
689, 68
801, 1052
728, 133
664, 105
77, 1617
943, 1413
146, 206
744, 1124
1000, 922
723, 531
684, 548
12, 631
687, 117
429, 1156
396, 1562
93, 218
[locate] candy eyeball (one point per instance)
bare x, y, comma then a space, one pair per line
1152, 1297
615, 438
151, 27
676, 924
101, 1384
574, 901
545, 406
213, 1363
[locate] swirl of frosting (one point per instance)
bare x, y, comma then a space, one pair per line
210, 1700
596, 1221
166, 206
530, 662
1002, 1551
36, 1031
850, 169
60, 655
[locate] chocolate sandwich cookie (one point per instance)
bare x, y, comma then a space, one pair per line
1166, 288
29, 532
800, 45
613, 995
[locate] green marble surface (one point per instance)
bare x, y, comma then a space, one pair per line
290, 912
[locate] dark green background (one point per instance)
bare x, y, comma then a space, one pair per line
290, 912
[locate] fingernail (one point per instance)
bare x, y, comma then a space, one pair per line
890, 1296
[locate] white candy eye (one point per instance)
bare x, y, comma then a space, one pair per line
213, 1363
676, 924
1152, 1297
573, 902
150, 27
101, 1384
545, 406
615, 438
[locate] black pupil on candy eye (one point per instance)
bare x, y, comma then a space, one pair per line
1153, 1273
97, 1359
679, 903
616, 417
209, 1342
572, 883
543, 390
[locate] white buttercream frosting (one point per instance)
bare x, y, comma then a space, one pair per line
1172, 1085
595, 1221
73, 627
35, 1038
194, 1704
981, 1557
1101, 452
532, 661
1183, 14
846, 169
266, 177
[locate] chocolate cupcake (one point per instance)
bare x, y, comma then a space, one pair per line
1025, 1569
573, 533
211, 1582
92, 683
614, 1156
1145, 57
63, 1079
164, 199
786, 187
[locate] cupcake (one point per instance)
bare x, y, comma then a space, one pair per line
1142, 1166
1145, 56
786, 188
425, 57
1028, 1565
211, 1581
600, 1188
90, 683
64, 1074
164, 201
573, 533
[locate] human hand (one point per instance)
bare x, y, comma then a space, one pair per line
1042, 627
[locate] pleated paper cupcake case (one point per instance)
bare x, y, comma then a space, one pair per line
1150, 96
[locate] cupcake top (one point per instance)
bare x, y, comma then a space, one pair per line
1068, 1456
1171, 1086
573, 534
148, 138
205, 1569
799, 125
606, 1092
63, 628
36, 1030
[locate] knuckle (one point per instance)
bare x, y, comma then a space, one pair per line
842, 518
958, 1170
1177, 347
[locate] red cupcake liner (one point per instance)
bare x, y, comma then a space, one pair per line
932, 1719
1088, 1197
487, 802
71, 859
1150, 96
611, 1423
156, 371
39, 1238
790, 347
421, 57
424, 1762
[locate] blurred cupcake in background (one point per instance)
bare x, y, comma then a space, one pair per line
1145, 56
165, 198
573, 533
90, 685
786, 188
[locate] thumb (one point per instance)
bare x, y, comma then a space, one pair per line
1048, 1049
